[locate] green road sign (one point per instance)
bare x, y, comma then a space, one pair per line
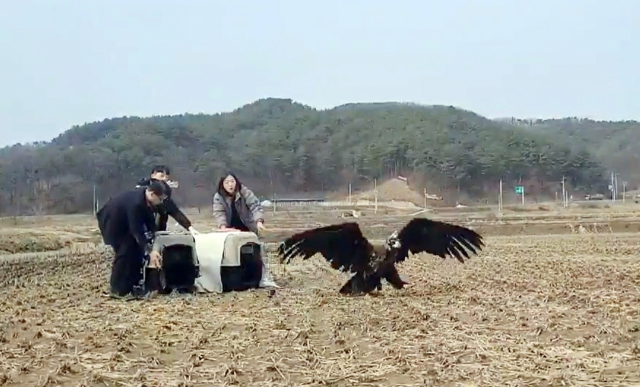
519, 189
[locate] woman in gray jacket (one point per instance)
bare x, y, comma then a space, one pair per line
236, 207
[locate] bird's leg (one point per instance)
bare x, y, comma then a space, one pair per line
393, 277
354, 286
372, 282
375, 292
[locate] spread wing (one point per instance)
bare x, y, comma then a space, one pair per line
343, 245
422, 235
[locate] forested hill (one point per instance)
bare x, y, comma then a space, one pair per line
616, 144
280, 146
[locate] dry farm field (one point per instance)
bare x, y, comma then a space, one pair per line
554, 300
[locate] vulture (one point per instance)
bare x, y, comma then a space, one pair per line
347, 250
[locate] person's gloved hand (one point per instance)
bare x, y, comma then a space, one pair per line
193, 231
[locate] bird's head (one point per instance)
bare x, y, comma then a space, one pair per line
392, 241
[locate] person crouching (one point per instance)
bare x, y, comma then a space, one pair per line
127, 224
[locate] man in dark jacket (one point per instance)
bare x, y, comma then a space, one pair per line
127, 224
168, 206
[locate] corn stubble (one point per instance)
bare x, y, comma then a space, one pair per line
528, 311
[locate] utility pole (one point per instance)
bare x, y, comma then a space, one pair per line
273, 194
613, 187
375, 192
500, 198
564, 193
275, 203
424, 193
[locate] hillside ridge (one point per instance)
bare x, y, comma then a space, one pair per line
278, 145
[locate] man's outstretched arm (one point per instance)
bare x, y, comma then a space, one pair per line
179, 216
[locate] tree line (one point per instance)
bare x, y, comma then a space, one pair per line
279, 146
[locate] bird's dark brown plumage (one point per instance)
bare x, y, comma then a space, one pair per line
346, 249
343, 245
423, 235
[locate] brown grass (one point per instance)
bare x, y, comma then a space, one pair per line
531, 310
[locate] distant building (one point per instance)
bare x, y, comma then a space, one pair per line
293, 201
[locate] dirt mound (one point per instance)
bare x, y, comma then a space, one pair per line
394, 189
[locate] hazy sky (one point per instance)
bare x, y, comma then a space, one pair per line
69, 62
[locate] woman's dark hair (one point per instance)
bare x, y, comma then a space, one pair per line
221, 189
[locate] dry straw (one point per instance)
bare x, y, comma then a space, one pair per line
529, 311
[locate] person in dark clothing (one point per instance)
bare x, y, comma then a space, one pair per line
168, 206
127, 224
